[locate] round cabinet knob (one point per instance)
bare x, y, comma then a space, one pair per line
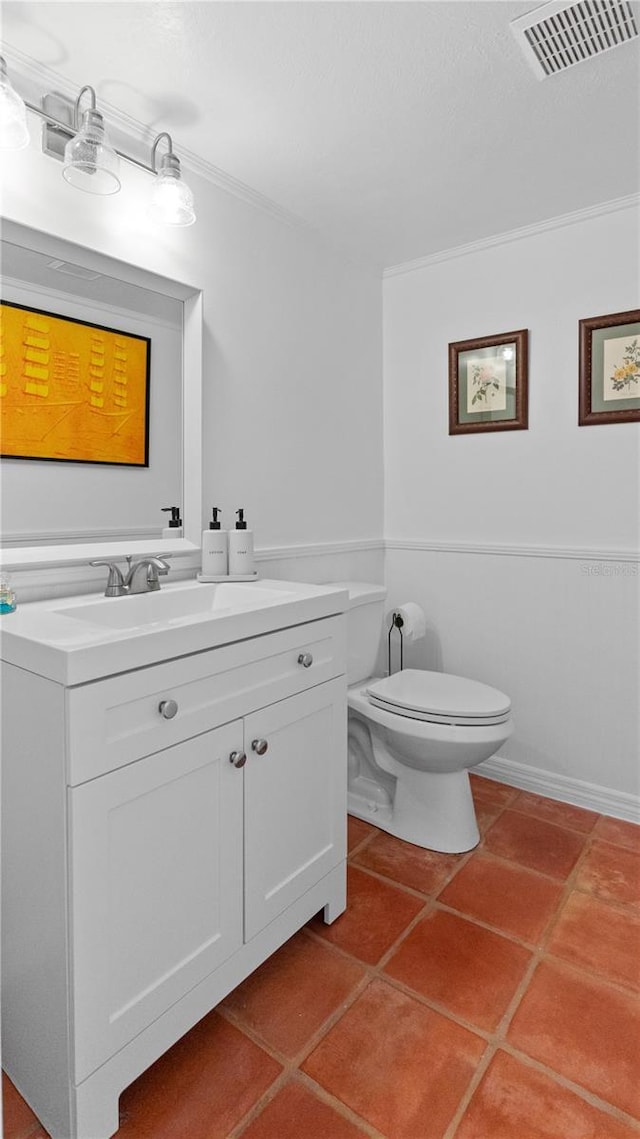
168, 709
305, 659
237, 758
259, 746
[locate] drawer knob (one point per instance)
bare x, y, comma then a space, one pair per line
168, 709
238, 758
259, 746
305, 659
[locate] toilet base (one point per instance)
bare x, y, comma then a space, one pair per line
433, 810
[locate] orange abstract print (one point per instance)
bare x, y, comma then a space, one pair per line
71, 390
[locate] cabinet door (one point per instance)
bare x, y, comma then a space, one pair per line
156, 887
295, 799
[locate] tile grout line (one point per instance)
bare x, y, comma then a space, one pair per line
470, 1090
259, 1106
361, 844
494, 1041
570, 1085
291, 1065
539, 953
346, 1111
554, 822
625, 990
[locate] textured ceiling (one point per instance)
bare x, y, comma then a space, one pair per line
397, 128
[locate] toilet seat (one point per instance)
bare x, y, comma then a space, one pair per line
439, 698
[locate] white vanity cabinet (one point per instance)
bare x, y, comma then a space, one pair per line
150, 866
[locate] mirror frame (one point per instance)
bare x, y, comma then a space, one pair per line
35, 557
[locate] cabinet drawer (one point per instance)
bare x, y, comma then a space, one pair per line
116, 721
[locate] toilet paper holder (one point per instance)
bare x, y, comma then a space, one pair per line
397, 622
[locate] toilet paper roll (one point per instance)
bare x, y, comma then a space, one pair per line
414, 622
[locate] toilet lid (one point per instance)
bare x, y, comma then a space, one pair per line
440, 697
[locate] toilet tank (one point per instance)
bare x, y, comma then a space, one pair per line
364, 625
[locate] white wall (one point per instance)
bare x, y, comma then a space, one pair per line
292, 417
292, 428
520, 546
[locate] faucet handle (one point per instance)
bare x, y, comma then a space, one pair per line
115, 582
156, 565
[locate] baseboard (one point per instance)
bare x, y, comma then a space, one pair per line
617, 804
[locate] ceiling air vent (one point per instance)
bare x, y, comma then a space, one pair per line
73, 270
558, 35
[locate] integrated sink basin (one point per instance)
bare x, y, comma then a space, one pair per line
75, 640
176, 604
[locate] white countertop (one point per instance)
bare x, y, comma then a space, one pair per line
56, 640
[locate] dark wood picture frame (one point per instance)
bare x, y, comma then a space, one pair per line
608, 365
498, 377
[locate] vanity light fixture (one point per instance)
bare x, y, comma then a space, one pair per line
14, 133
91, 163
171, 198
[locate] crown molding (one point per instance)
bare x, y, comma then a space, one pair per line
630, 201
33, 79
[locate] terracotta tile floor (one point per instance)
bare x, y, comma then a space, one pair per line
490, 995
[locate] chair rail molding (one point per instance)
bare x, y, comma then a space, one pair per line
318, 549
579, 553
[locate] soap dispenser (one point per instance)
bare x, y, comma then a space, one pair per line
215, 543
241, 548
174, 529
7, 597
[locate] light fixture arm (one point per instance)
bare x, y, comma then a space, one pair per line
154, 149
76, 109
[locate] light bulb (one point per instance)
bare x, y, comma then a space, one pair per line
90, 163
171, 198
14, 133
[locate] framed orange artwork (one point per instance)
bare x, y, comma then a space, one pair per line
71, 391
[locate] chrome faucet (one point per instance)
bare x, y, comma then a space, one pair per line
142, 576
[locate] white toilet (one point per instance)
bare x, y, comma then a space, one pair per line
413, 736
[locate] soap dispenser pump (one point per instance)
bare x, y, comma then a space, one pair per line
241, 548
214, 547
174, 529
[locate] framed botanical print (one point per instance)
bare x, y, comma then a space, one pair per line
609, 390
488, 383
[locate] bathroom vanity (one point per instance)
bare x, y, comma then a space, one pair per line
174, 808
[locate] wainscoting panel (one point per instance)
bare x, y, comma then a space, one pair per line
558, 631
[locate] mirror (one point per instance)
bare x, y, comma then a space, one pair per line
58, 511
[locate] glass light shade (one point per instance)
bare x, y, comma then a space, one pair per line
90, 164
171, 198
14, 133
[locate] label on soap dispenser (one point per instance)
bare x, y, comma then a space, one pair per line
241, 552
214, 553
